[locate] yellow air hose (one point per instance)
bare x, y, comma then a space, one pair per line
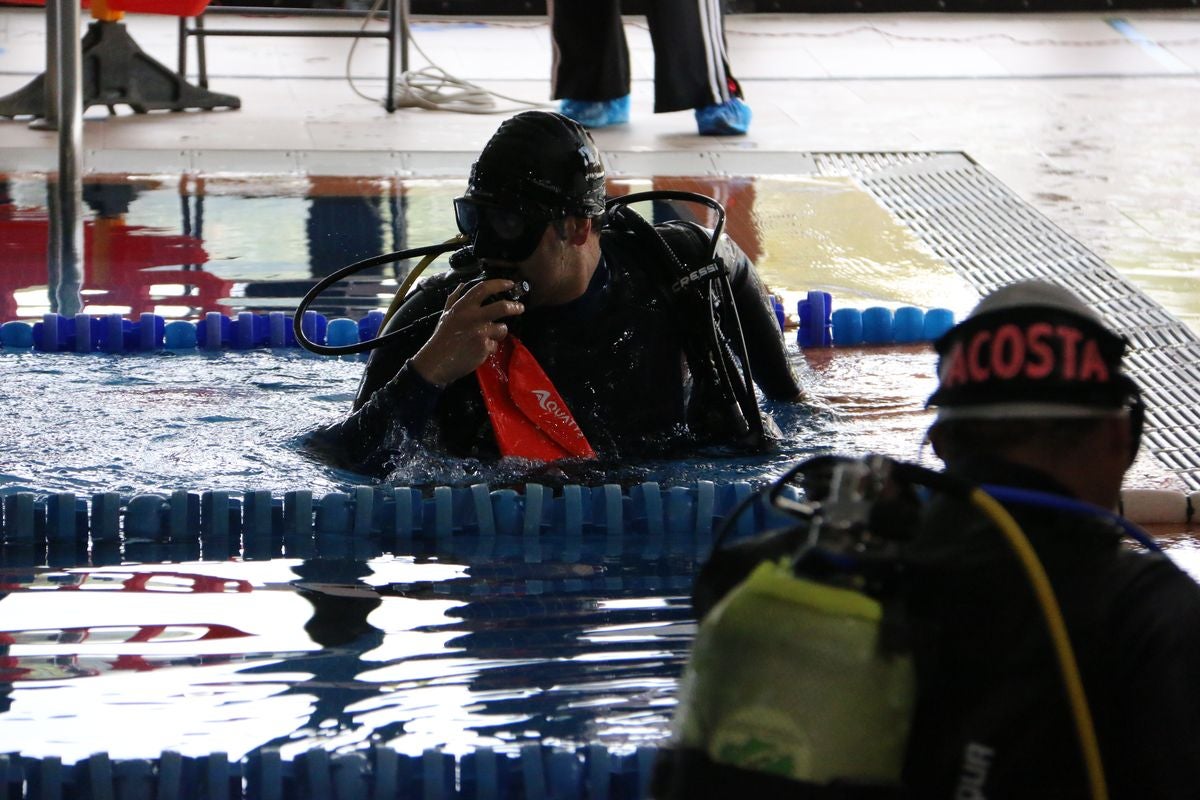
1057, 628
411, 278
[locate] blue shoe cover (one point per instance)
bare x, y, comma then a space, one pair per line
731, 118
597, 114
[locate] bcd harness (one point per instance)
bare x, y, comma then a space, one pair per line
528, 416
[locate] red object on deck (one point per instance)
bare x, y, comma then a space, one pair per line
178, 8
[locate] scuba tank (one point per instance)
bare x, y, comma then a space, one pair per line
789, 674
800, 670
801, 681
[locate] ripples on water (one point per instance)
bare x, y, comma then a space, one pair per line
236, 421
412, 653
415, 652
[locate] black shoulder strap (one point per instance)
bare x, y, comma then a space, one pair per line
685, 266
687, 240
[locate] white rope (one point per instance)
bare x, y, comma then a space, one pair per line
434, 89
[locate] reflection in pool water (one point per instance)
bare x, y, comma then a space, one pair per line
410, 650
338, 653
183, 246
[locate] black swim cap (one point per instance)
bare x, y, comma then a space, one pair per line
542, 165
1030, 350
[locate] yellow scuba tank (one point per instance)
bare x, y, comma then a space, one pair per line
800, 668
801, 675
788, 676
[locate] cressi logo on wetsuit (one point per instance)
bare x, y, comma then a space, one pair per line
708, 271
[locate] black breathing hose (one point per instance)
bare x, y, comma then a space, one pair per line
358, 266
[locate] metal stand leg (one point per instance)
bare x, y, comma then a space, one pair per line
397, 40
117, 72
68, 101
201, 53
28, 101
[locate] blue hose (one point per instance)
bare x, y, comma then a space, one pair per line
1047, 500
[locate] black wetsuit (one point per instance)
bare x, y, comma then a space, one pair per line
615, 355
992, 718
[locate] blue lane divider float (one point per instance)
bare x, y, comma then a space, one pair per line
534, 772
84, 333
571, 524
821, 326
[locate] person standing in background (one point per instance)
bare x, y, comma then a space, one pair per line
590, 71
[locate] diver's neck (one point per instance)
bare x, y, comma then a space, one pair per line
581, 264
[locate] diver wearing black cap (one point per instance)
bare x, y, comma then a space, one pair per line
1032, 397
597, 321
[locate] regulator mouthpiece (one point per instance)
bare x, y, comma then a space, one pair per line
520, 287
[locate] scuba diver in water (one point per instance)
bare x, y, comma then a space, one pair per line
568, 329
1032, 396
987, 637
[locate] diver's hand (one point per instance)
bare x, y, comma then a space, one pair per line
467, 332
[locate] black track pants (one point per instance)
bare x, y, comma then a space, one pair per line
591, 57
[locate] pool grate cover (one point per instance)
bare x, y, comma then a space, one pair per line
991, 237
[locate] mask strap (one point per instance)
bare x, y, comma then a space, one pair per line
1137, 414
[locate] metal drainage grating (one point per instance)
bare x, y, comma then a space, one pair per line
991, 237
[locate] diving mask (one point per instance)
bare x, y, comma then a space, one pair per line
498, 233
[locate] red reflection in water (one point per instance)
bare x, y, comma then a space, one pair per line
118, 260
736, 195
347, 219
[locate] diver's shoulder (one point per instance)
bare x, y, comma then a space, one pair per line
682, 236
436, 287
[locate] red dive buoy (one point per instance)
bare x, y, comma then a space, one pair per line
529, 417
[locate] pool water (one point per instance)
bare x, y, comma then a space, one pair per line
412, 653
409, 649
183, 246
